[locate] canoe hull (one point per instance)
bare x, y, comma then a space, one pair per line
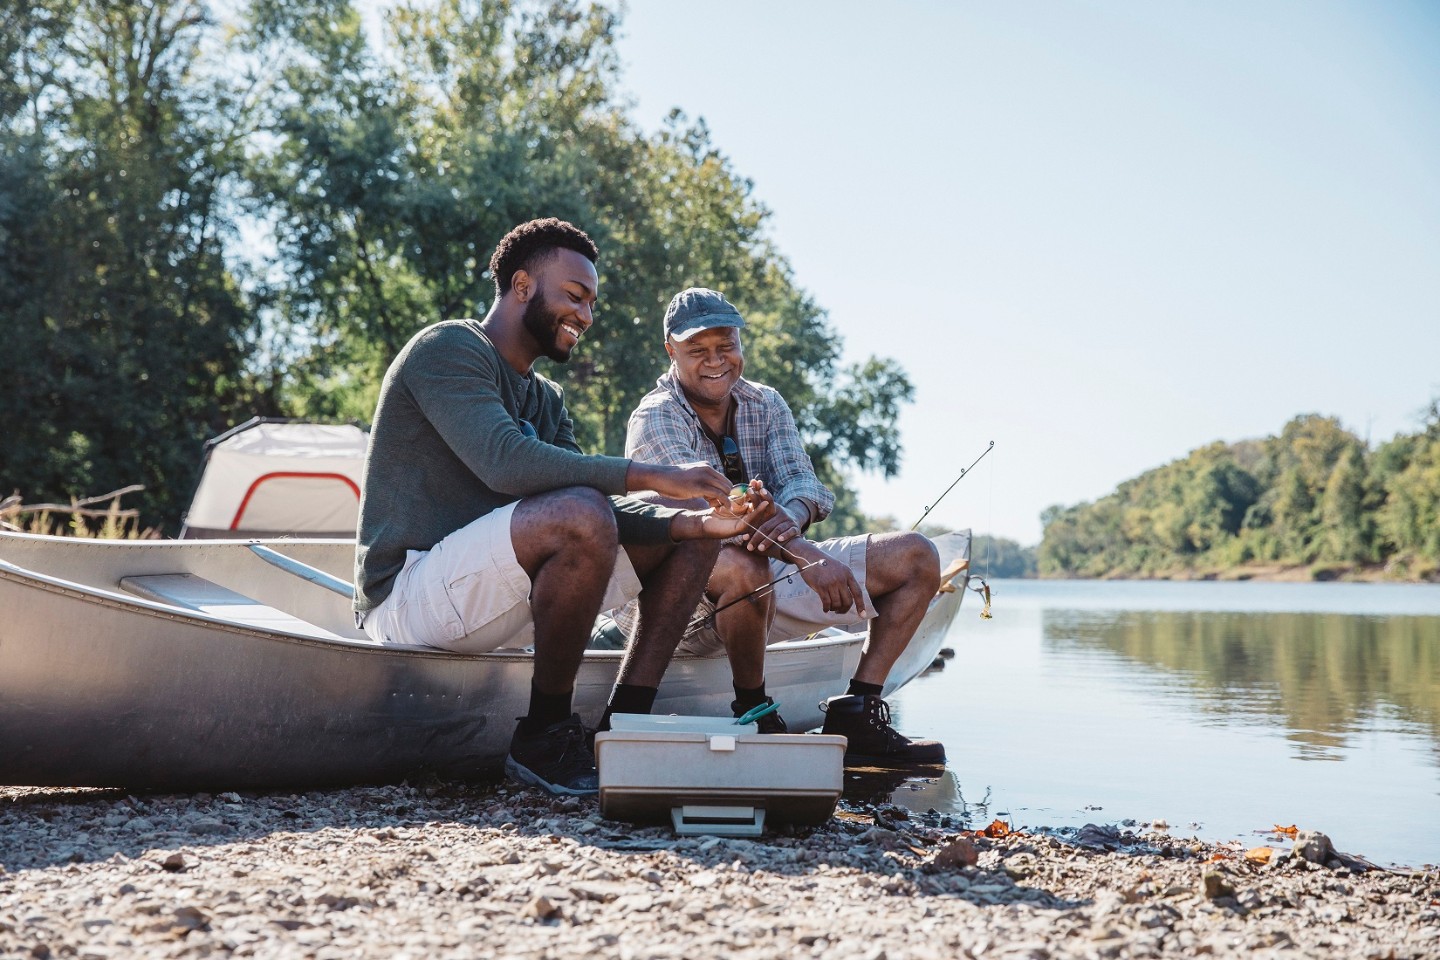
98, 688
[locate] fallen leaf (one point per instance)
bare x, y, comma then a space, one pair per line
997, 828
1218, 857
1260, 855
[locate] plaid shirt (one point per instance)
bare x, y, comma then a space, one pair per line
665, 429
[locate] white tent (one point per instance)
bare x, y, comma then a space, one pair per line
268, 477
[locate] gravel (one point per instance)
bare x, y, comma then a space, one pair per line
439, 871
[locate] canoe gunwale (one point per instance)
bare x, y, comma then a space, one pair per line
114, 599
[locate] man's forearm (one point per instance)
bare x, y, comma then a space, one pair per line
686, 526
800, 511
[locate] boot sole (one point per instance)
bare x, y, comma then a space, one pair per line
889, 762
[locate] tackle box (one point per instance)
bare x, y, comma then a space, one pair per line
708, 775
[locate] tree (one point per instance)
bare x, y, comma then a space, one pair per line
1347, 527
394, 184
116, 280
1308, 494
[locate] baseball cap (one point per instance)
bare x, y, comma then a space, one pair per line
699, 308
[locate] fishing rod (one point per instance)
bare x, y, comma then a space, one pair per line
801, 567
984, 588
952, 486
790, 558
710, 617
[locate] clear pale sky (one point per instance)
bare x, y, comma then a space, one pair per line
1099, 234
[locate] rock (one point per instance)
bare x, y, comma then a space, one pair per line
1314, 846
1214, 884
541, 908
1019, 867
957, 853
209, 827
175, 863
192, 918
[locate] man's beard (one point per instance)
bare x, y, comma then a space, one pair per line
542, 324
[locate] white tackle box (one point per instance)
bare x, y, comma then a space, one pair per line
709, 775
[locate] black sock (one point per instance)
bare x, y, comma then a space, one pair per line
746, 697
545, 709
628, 698
862, 689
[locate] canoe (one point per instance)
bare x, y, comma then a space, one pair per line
249, 676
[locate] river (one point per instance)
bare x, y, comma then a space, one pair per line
1221, 708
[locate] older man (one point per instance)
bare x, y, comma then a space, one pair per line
704, 410
482, 524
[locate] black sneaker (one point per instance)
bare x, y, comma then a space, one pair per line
557, 759
864, 721
772, 722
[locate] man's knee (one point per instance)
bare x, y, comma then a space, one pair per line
575, 517
910, 554
738, 570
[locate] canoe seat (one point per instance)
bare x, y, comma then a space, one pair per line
196, 593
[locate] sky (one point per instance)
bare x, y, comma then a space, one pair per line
1100, 234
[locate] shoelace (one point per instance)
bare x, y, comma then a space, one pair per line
880, 719
574, 735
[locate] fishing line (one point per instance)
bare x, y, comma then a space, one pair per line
952, 486
990, 518
800, 567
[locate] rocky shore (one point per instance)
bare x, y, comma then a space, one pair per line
498, 871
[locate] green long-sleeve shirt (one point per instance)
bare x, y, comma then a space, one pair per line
446, 448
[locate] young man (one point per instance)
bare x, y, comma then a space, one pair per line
482, 524
704, 409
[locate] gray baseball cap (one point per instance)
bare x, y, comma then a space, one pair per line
699, 308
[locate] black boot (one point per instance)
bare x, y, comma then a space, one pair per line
770, 723
865, 722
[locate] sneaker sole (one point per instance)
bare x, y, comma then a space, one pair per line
525, 775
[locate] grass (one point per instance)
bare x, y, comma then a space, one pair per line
80, 518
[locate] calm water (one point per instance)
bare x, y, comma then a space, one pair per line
1222, 708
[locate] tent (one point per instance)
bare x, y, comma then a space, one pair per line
279, 477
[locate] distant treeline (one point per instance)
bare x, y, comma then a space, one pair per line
989, 556
1314, 495
999, 557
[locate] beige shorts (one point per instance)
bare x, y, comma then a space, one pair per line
798, 610
468, 593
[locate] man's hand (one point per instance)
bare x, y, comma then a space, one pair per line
832, 580
685, 482
778, 530
734, 518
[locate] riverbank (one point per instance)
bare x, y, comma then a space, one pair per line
499, 871
1279, 573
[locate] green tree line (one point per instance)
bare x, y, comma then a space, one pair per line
1314, 495
213, 212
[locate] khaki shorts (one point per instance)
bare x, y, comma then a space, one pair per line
798, 611
468, 593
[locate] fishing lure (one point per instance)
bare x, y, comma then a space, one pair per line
984, 591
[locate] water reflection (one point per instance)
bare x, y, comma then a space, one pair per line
937, 789
1326, 676
1206, 705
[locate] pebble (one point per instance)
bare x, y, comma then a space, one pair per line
443, 870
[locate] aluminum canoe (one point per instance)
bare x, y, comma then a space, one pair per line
100, 686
